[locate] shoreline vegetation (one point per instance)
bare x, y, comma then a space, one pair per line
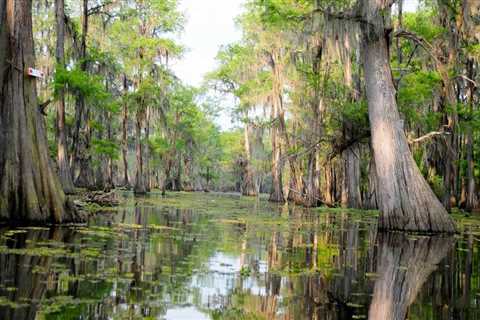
352, 104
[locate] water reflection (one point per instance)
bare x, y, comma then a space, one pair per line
26, 278
404, 265
210, 257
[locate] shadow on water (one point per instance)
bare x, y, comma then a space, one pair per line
197, 256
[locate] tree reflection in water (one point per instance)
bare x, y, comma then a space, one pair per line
404, 265
230, 259
26, 278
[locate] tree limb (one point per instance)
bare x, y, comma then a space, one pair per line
98, 8
71, 30
342, 145
43, 106
427, 46
430, 135
468, 80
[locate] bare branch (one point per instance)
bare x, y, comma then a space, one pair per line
340, 146
98, 9
43, 106
427, 46
430, 135
467, 79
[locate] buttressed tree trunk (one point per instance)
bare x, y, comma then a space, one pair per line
405, 199
30, 190
62, 158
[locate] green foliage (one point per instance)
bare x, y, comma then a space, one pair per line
417, 90
356, 113
422, 23
235, 314
106, 148
279, 12
82, 83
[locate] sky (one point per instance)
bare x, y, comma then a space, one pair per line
210, 24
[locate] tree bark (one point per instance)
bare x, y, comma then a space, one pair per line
189, 183
351, 196
406, 201
370, 198
249, 188
126, 181
400, 27
329, 185
178, 176
295, 185
64, 171
140, 183
276, 194
311, 192
471, 195
82, 134
30, 190
146, 146
316, 102
109, 185
447, 63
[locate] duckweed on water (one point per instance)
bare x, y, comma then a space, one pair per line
224, 257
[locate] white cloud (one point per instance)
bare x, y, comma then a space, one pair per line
210, 24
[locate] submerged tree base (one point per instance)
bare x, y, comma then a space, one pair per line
73, 213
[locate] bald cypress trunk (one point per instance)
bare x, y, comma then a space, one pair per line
276, 194
329, 183
64, 172
125, 180
83, 130
30, 190
351, 195
140, 183
471, 196
405, 199
249, 187
146, 156
295, 185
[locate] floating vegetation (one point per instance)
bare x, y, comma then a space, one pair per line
223, 256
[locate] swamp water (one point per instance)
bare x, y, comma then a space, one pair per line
206, 256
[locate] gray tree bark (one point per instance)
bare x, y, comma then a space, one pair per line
64, 171
351, 195
140, 183
406, 201
249, 188
125, 182
276, 194
30, 190
82, 134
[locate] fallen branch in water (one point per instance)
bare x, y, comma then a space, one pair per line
102, 198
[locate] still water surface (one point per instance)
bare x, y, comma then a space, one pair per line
207, 256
